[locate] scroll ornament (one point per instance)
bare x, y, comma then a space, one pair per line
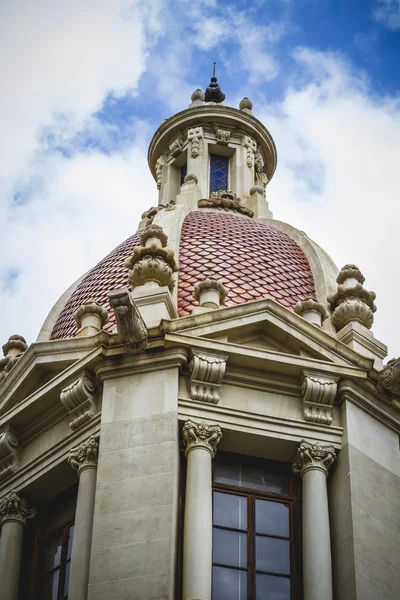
318, 397
206, 374
201, 435
77, 399
389, 380
9, 459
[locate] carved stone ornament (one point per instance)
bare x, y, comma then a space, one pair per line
259, 161
85, 455
77, 399
225, 200
159, 167
176, 148
130, 324
389, 379
195, 137
153, 210
15, 508
352, 302
12, 350
318, 396
313, 456
191, 177
206, 373
210, 283
223, 135
153, 231
251, 147
91, 308
305, 307
9, 460
201, 435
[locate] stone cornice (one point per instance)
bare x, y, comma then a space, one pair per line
369, 401
314, 456
14, 508
201, 435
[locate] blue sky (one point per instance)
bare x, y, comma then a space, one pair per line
85, 85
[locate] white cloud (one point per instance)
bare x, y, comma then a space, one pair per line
387, 12
337, 175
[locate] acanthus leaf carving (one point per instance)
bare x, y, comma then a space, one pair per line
201, 435
78, 399
206, 373
388, 382
318, 393
9, 459
130, 324
314, 456
352, 302
85, 455
15, 508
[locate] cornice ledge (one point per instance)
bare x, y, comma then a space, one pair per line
262, 307
383, 411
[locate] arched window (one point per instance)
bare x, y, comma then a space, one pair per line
219, 167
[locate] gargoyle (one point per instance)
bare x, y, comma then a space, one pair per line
389, 379
131, 327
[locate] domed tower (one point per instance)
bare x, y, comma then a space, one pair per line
188, 397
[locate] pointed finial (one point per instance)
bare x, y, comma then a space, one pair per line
214, 93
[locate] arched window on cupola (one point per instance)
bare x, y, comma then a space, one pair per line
219, 173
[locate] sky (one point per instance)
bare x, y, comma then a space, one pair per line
86, 84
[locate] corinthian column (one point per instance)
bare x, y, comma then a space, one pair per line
14, 512
84, 460
201, 441
313, 462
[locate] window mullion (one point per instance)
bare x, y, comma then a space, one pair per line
251, 545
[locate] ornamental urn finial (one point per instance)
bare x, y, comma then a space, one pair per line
352, 302
214, 93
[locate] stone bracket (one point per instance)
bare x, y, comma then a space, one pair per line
318, 393
9, 459
206, 373
131, 327
77, 399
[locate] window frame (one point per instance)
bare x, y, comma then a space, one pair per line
293, 499
212, 153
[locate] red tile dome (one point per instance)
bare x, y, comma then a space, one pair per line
252, 259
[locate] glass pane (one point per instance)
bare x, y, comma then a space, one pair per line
70, 539
230, 510
230, 548
49, 586
272, 555
66, 582
228, 584
265, 476
183, 173
51, 555
272, 518
269, 587
218, 172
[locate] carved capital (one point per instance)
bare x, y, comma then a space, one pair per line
318, 396
130, 324
195, 137
85, 455
77, 399
389, 380
201, 435
9, 459
352, 302
15, 508
206, 373
314, 456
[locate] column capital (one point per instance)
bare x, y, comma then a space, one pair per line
201, 435
85, 455
313, 456
15, 508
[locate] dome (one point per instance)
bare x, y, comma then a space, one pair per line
253, 260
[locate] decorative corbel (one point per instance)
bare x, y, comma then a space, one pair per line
388, 383
223, 135
9, 459
176, 147
195, 136
206, 373
131, 327
318, 393
77, 399
250, 146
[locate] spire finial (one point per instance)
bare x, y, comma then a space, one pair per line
214, 93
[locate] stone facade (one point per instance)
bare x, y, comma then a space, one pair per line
133, 407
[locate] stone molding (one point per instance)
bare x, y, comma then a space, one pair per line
352, 302
195, 137
91, 308
318, 393
12, 350
77, 399
201, 435
206, 373
314, 456
9, 459
388, 383
130, 325
227, 200
210, 283
85, 456
14, 508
